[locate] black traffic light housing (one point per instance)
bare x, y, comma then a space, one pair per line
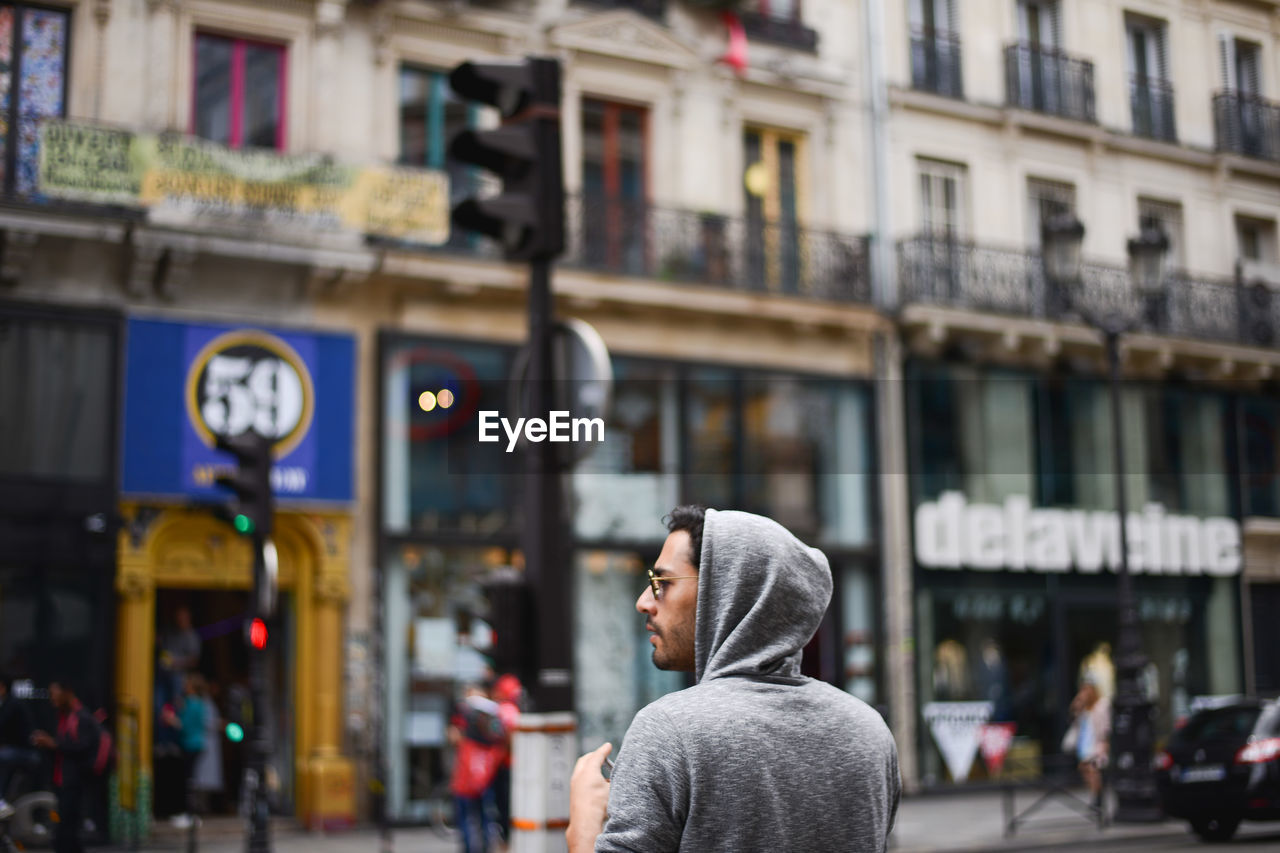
512, 619
527, 218
251, 483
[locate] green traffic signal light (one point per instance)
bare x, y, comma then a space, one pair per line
243, 524
235, 734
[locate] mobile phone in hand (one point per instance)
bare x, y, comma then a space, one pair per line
608, 765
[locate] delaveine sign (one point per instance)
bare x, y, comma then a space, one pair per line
186, 384
951, 533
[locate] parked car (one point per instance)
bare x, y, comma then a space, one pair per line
1223, 767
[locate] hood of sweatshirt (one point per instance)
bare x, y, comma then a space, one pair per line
761, 595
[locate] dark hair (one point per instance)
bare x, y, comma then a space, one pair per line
689, 518
68, 685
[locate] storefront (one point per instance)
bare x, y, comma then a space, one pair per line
185, 384
791, 446
59, 386
1016, 543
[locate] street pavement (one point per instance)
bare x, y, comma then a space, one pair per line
965, 822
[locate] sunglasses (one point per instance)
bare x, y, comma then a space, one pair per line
656, 582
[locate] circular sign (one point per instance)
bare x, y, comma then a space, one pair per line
250, 381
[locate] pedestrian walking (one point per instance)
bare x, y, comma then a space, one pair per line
189, 720
754, 756
479, 740
206, 777
508, 692
74, 746
1089, 733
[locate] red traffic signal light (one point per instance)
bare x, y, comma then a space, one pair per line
258, 634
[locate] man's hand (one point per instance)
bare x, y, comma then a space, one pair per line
588, 801
43, 740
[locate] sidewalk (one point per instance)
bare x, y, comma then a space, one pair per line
971, 822
957, 823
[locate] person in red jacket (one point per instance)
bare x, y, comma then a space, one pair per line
73, 746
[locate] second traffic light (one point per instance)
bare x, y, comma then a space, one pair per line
251, 483
527, 218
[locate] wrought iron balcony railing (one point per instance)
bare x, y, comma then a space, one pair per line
935, 62
650, 8
963, 274
1151, 100
1047, 80
1247, 124
638, 239
784, 29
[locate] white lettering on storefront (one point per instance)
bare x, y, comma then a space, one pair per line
951, 533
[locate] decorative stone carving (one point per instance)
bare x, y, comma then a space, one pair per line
332, 588
133, 580
624, 34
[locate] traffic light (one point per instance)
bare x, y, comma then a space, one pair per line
511, 618
527, 218
251, 483
257, 633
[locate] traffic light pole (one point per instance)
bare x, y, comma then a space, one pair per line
258, 831
546, 562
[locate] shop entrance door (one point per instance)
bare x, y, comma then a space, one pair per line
217, 618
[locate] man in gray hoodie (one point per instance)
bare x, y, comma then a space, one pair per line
755, 756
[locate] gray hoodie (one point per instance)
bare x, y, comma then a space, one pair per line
755, 756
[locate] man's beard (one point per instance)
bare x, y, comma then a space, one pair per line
676, 652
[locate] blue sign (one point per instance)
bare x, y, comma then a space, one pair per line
186, 384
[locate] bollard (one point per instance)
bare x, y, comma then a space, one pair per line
543, 750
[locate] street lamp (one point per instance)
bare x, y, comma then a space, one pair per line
1132, 731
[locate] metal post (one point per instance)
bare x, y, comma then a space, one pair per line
542, 536
258, 836
1132, 735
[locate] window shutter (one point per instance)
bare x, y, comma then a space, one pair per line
1160, 62
1250, 80
1226, 60
947, 15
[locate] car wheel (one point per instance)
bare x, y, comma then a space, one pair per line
1215, 828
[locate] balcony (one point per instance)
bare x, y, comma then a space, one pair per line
935, 63
965, 275
780, 29
654, 9
1046, 80
1247, 124
1151, 101
630, 238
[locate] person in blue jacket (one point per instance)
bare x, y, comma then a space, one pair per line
189, 720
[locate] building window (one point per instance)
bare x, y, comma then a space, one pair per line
1256, 239
1167, 216
1150, 92
773, 197
1046, 199
1244, 120
615, 178
239, 92
943, 199
33, 87
935, 48
784, 10
1040, 22
1240, 64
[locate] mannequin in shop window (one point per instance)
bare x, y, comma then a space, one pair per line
950, 672
993, 681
